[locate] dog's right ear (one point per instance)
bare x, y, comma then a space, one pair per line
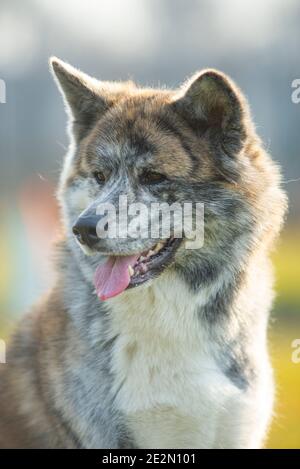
82, 95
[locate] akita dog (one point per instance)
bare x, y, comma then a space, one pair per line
143, 343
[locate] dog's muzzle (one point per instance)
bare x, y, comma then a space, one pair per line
85, 230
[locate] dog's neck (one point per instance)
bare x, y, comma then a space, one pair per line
167, 301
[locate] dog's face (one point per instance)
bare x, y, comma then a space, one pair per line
152, 147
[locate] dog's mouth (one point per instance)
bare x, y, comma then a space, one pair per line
119, 273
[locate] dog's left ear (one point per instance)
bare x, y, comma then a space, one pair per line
83, 95
212, 103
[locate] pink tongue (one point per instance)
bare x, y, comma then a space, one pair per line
113, 277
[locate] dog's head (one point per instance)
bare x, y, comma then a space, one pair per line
133, 149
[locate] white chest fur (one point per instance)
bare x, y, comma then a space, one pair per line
166, 381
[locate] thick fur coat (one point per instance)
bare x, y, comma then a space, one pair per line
180, 361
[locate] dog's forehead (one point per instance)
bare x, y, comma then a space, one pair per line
139, 133
128, 133
130, 147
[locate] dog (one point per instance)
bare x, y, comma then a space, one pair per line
143, 343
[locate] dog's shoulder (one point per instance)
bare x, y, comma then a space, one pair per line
27, 420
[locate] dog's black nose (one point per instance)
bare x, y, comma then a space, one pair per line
85, 231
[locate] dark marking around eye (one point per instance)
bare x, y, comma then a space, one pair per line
152, 177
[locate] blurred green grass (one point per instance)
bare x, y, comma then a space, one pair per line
285, 428
284, 328
287, 269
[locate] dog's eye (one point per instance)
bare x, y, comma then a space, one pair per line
152, 177
100, 177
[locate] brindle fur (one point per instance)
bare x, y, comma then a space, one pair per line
58, 388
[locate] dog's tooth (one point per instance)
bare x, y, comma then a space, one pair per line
130, 270
150, 253
142, 258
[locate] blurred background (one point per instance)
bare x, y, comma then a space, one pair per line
154, 42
